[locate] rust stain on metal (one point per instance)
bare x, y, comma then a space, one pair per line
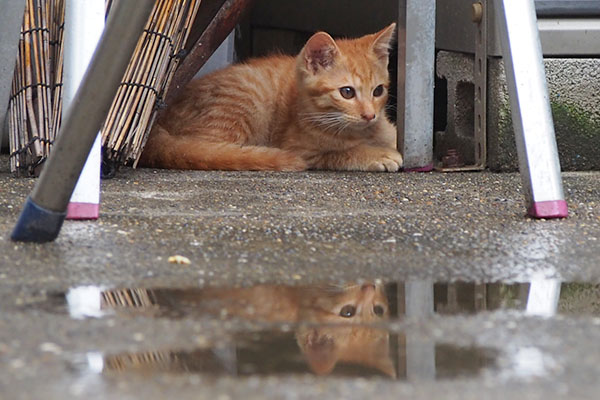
452, 159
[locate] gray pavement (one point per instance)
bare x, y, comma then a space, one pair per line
245, 228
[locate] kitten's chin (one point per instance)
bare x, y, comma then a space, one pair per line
365, 125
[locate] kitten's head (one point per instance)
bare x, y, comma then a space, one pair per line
344, 304
344, 84
344, 335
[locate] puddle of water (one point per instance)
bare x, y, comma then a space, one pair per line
327, 303
268, 353
330, 329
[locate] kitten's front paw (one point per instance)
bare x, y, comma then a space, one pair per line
389, 161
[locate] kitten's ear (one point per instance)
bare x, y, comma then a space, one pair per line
320, 52
383, 42
320, 352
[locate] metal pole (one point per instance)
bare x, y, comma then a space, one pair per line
45, 209
530, 105
416, 59
11, 19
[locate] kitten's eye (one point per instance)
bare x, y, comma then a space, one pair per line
348, 311
347, 92
378, 91
378, 310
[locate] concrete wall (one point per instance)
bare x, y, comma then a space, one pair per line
574, 85
338, 17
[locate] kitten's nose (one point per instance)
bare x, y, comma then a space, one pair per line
367, 295
367, 286
368, 116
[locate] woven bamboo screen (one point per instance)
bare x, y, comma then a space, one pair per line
148, 75
35, 104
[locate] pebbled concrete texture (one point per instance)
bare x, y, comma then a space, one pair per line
573, 86
242, 228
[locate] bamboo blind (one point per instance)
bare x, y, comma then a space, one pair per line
148, 75
35, 104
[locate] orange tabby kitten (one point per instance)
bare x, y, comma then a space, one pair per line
324, 109
339, 318
353, 341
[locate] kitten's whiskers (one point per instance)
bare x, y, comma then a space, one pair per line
391, 107
335, 122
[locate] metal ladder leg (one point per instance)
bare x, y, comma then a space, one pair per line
84, 24
45, 209
530, 105
416, 60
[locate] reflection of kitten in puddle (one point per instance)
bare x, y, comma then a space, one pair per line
334, 319
354, 342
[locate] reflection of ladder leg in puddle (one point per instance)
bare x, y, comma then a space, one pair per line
530, 105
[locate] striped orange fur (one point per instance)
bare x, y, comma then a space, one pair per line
324, 109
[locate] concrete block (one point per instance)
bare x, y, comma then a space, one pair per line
573, 83
457, 70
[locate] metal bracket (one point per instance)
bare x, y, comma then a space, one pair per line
452, 161
416, 60
480, 17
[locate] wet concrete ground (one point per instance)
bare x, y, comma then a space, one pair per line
304, 229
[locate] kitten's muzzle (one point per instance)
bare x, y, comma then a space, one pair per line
368, 116
367, 287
